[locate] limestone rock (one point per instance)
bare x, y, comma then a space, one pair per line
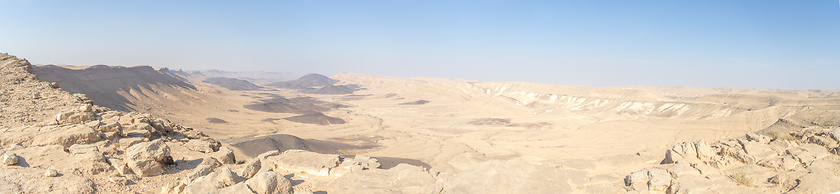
659, 180
83, 149
10, 159
367, 162
239, 188
67, 136
147, 158
128, 142
224, 155
199, 146
808, 153
119, 165
215, 180
74, 117
704, 151
210, 161
637, 180
305, 161
758, 150
199, 171
672, 157
51, 173
270, 182
173, 188
414, 179
110, 125
835, 134
251, 168
757, 138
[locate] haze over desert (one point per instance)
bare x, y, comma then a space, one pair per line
420, 97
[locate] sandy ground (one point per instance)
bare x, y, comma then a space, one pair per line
607, 131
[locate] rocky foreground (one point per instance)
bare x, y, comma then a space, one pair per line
55, 142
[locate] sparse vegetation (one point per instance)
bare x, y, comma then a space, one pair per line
782, 136
742, 179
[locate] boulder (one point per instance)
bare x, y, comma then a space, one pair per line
251, 168
224, 155
67, 136
119, 165
75, 117
199, 146
213, 181
128, 142
305, 161
659, 180
671, 157
147, 158
636, 180
270, 182
110, 125
210, 161
199, 171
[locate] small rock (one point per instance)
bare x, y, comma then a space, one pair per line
85, 108
10, 159
51, 173
122, 181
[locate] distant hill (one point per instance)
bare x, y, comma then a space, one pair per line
114, 86
256, 77
336, 89
232, 83
306, 82
315, 118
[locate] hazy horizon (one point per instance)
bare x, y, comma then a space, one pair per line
747, 44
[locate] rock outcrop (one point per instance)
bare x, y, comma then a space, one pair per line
799, 163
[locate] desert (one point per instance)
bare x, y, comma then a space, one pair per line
111, 129
419, 97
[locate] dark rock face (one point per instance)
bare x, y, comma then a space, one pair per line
232, 83
306, 82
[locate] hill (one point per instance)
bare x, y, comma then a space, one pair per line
232, 83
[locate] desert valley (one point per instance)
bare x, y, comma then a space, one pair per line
113, 129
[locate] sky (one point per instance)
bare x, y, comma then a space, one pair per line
709, 43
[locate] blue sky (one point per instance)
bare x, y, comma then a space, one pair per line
754, 44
